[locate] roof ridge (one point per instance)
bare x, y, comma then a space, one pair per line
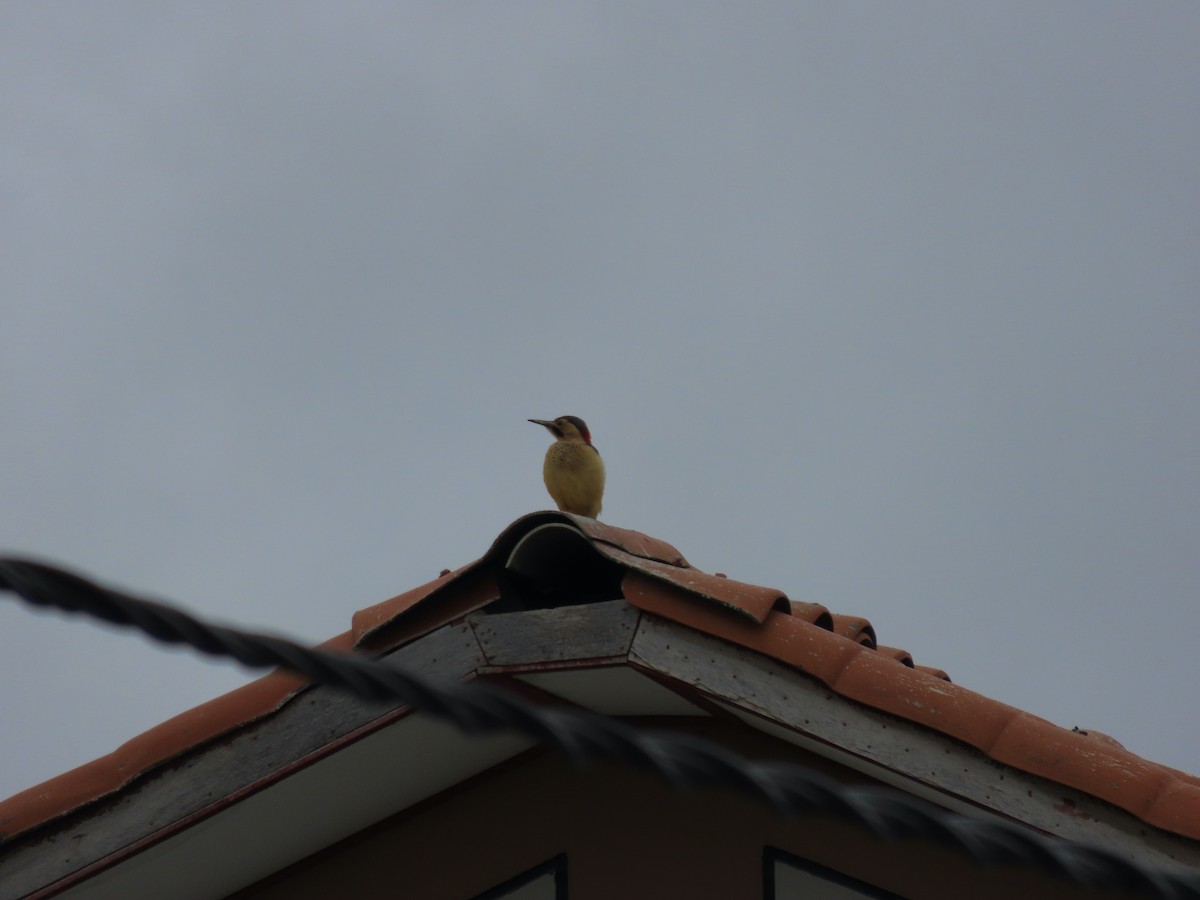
656, 579
1148, 790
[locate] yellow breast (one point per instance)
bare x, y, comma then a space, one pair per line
574, 475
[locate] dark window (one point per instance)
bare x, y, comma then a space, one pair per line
545, 882
789, 877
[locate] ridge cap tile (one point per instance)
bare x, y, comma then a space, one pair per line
753, 601
370, 619
657, 579
932, 672
1176, 808
856, 628
886, 684
896, 653
404, 618
632, 542
808, 647
1033, 744
1156, 796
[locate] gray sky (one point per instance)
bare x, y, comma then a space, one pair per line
894, 307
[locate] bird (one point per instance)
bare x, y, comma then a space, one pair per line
573, 470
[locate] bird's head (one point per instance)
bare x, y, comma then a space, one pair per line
566, 428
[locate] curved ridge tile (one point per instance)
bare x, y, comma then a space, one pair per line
367, 621
881, 681
1099, 736
632, 542
1177, 808
812, 613
601, 534
934, 673
837, 651
792, 641
892, 687
504, 543
856, 629
750, 600
1075, 759
421, 610
901, 656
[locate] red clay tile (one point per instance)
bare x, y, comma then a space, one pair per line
1177, 808
365, 621
632, 542
856, 629
900, 656
812, 613
811, 649
1099, 736
932, 672
1035, 745
926, 697
657, 579
416, 613
749, 600
892, 687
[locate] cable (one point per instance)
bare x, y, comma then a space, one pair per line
587, 737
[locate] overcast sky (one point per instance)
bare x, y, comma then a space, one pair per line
895, 307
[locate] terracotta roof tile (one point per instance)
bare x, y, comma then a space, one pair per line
748, 600
856, 629
928, 670
631, 549
415, 613
1152, 792
839, 651
1177, 807
892, 687
1095, 767
812, 613
810, 648
900, 656
368, 620
632, 542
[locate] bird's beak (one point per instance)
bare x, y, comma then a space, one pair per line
545, 424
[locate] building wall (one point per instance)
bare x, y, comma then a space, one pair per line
628, 835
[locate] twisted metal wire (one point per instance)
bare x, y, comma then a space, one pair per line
587, 737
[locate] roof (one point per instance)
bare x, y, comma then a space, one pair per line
556, 559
